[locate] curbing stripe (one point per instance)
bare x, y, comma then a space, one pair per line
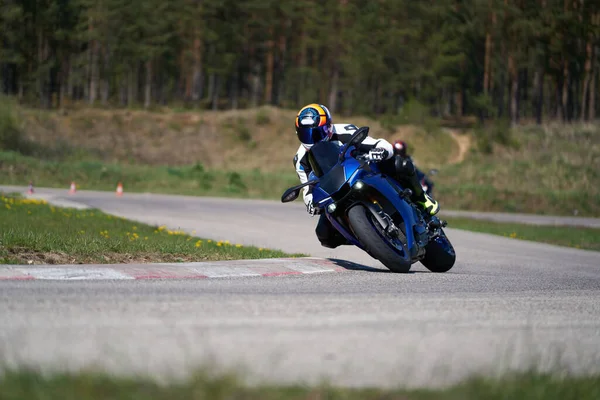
197, 270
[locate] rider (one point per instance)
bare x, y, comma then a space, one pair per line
401, 149
314, 124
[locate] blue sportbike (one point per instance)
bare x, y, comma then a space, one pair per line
372, 210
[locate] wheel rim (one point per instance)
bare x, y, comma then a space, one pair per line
393, 242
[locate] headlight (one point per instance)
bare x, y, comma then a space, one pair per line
358, 185
331, 208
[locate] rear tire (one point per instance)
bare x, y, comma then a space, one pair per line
439, 254
374, 244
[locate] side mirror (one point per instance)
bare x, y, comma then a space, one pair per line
357, 137
290, 195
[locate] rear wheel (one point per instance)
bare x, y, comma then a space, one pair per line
439, 254
392, 254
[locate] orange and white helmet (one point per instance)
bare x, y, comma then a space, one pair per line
313, 124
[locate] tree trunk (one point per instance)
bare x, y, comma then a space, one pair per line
105, 90
93, 70
215, 93
234, 88
281, 72
592, 101
269, 68
586, 79
65, 81
514, 92
122, 91
148, 86
132, 87
539, 95
458, 100
333, 94
565, 92
197, 79
211, 86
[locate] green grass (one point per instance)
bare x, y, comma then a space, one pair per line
571, 236
31, 385
16, 169
33, 231
546, 170
550, 169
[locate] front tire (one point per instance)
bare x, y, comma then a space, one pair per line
361, 221
439, 254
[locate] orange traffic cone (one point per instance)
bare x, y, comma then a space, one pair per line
120, 189
30, 190
73, 188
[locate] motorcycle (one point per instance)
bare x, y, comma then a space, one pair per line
371, 210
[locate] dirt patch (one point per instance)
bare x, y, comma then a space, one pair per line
464, 145
26, 256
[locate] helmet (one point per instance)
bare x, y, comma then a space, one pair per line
313, 124
400, 148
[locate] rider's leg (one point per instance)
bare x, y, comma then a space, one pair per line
328, 235
406, 175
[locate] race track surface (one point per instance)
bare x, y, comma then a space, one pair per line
506, 304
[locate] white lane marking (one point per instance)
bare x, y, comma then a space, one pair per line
58, 273
219, 271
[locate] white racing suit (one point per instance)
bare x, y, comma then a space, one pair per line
326, 233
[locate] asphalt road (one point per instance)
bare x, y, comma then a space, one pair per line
506, 304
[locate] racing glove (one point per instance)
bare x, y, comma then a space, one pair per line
310, 207
312, 210
377, 154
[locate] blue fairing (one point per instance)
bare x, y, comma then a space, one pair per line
352, 173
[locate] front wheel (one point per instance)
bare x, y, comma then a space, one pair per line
439, 254
370, 234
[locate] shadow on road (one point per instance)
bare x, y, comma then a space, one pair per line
349, 265
355, 267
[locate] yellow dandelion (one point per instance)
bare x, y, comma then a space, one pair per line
7, 206
219, 244
198, 244
134, 228
145, 237
155, 231
238, 245
127, 233
260, 249
29, 212
82, 232
209, 241
227, 242
513, 235
188, 239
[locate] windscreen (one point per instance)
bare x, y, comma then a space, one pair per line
323, 156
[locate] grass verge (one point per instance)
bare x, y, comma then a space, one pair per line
16, 169
34, 232
21, 385
570, 236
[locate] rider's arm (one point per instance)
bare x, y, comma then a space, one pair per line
343, 133
302, 170
371, 142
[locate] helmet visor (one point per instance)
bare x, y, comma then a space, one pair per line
312, 135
